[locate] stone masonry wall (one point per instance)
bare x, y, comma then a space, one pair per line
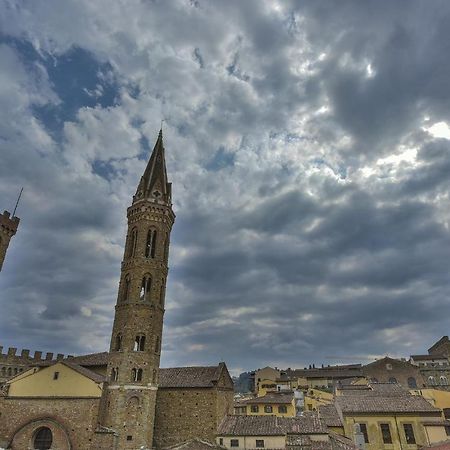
72, 421
183, 414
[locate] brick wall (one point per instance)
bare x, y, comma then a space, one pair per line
72, 421
183, 414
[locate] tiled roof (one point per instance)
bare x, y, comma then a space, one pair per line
304, 441
436, 423
84, 371
93, 359
341, 442
428, 357
283, 398
375, 390
330, 416
369, 403
270, 425
445, 445
194, 444
190, 377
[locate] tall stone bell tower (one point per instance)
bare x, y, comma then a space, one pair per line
130, 397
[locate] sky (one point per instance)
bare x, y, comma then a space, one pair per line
308, 143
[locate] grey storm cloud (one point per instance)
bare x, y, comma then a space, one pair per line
309, 148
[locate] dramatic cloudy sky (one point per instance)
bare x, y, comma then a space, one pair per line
308, 143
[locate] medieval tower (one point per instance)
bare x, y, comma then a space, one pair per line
130, 398
8, 228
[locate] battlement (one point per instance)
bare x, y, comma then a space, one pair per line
8, 222
25, 356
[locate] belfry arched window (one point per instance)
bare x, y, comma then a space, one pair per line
132, 243
115, 374
126, 288
431, 380
146, 287
136, 375
443, 380
139, 343
43, 439
150, 246
118, 343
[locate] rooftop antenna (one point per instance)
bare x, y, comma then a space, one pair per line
17, 203
162, 121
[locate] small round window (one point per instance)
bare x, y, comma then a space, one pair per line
43, 439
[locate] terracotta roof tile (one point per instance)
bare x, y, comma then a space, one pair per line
283, 398
329, 414
189, 377
271, 425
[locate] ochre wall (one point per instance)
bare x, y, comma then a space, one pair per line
396, 427
41, 384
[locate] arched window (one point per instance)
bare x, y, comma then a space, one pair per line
118, 343
431, 380
146, 288
43, 439
443, 380
133, 243
136, 374
166, 247
162, 293
16, 370
139, 343
392, 380
9, 371
115, 374
412, 383
150, 246
126, 288
157, 345
3, 371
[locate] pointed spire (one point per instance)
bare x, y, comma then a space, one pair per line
154, 185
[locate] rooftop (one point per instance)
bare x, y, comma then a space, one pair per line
271, 425
273, 397
190, 377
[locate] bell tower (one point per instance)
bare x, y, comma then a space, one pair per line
134, 355
8, 228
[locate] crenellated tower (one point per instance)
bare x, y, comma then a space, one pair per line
8, 228
130, 398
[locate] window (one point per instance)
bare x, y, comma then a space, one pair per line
409, 433
115, 374
43, 439
162, 292
139, 343
392, 380
129, 438
386, 433
259, 443
443, 380
254, 408
133, 243
363, 428
234, 443
412, 383
220, 441
150, 246
146, 288
118, 343
447, 430
55, 375
136, 375
268, 409
389, 366
282, 409
126, 288
166, 247
9, 371
157, 345
431, 380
